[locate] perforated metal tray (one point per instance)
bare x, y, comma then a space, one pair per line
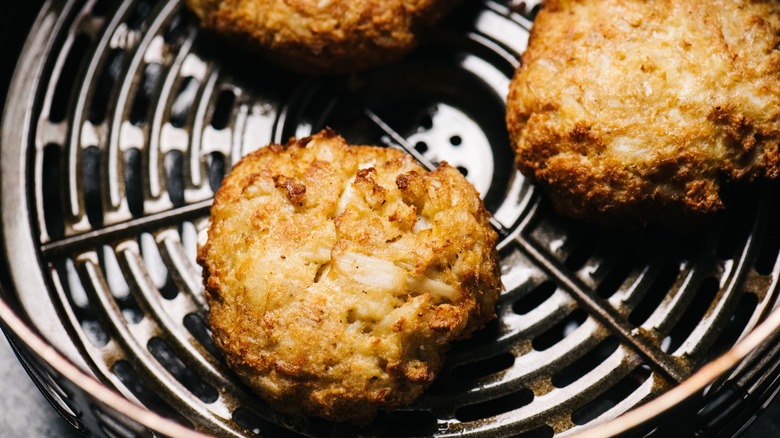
123, 118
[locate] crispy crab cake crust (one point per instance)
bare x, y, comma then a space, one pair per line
338, 275
631, 111
323, 36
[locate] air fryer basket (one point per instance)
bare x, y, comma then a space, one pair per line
123, 118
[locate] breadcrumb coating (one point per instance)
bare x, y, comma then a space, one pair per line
632, 111
323, 36
338, 275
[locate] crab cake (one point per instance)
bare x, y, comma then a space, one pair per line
633, 111
323, 36
338, 275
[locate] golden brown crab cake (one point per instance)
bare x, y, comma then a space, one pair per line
638, 111
323, 36
338, 275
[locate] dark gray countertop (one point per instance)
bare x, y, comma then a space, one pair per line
23, 410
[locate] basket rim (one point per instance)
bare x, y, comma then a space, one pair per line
47, 353
718, 368
708, 374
